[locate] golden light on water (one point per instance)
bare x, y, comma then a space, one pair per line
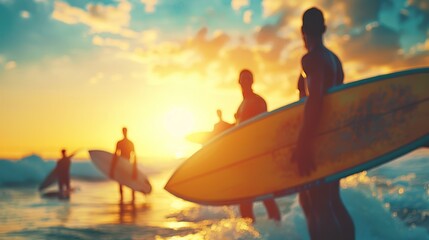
179, 204
356, 179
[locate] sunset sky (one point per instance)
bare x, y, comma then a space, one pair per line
73, 73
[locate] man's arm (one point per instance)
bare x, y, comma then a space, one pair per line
301, 86
72, 155
312, 114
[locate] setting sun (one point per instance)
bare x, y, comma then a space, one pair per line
178, 122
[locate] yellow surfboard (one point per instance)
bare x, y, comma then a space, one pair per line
365, 123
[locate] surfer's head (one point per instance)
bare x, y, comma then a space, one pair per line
246, 78
219, 113
124, 131
63, 151
313, 26
313, 22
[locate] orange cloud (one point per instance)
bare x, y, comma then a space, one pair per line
273, 52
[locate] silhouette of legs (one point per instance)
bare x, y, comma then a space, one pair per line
64, 187
323, 220
61, 187
246, 210
68, 189
341, 212
310, 216
272, 209
121, 193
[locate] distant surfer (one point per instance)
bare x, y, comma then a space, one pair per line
251, 106
221, 125
327, 218
125, 149
63, 173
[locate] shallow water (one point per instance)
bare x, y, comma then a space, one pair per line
389, 202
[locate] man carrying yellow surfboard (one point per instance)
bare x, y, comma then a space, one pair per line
251, 106
326, 215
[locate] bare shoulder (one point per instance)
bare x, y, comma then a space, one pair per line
259, 97
311, 61
311, 58
337, 59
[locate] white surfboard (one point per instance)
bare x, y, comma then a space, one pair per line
123, 171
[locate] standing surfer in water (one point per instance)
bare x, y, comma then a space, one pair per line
251, 106
63, 171
327, 218
124, 148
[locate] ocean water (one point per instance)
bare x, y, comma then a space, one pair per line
388, 202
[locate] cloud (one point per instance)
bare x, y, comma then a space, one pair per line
272, 52
378, 45
362, 12
355, 33
96, 78
148, 37
271, 35
420, 47
217, 59
208, 48
271, 7
422, 8
237, 4
247, 16
100, 18
185, 57
25, 14
149, 5
111, 42
10, 65
420, 59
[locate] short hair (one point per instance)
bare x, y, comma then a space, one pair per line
313, 22
246, 77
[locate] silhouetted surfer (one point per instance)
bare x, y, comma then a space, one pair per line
124, 148
63, 172
251, 106
326, 215
221, 125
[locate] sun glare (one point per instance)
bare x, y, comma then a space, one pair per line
178, 122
